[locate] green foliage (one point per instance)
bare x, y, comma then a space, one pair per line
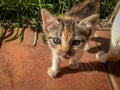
19, 11
20, 14
23, 11
27, 12
44, 38
107, 7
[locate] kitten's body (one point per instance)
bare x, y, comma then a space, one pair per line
68, 34
114, 51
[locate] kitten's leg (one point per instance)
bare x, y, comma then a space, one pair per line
74, 63
55, 68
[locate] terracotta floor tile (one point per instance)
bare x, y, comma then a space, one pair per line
23, 67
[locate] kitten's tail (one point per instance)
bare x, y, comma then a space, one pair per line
85, 9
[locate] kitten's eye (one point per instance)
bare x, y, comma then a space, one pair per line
56, 40
76, 42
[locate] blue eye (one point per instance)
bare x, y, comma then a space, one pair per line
76, 42
56, 40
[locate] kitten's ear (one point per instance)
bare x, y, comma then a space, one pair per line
89, 22
48, 20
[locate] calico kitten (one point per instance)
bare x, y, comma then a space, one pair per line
114, 51
68, 34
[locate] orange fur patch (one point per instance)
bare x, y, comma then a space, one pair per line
62, 48
66, 17
65, 44
67, 35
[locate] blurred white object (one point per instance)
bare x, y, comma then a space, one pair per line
115, 30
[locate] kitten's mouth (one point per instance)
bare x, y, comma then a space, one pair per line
65, 57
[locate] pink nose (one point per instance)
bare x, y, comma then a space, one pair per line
64, 54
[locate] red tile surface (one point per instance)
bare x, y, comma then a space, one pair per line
23, 67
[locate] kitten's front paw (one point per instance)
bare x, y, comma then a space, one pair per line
74, 66
52, 73
100, 56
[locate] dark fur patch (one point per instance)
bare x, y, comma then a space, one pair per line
85, 9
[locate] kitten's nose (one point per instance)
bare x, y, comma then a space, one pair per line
64, 53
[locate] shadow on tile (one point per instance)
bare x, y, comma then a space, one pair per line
101, 44
88, 67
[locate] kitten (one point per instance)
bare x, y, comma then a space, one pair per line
68, 34
114, 51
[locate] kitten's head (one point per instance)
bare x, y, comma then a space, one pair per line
67, 36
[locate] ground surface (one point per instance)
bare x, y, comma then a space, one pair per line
23, 67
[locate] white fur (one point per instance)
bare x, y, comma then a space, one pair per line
87, 46
55, 68
55, 61
114, 50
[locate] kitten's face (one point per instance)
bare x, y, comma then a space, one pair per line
67, 38
65, 35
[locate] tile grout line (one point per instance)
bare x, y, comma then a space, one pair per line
112, 80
